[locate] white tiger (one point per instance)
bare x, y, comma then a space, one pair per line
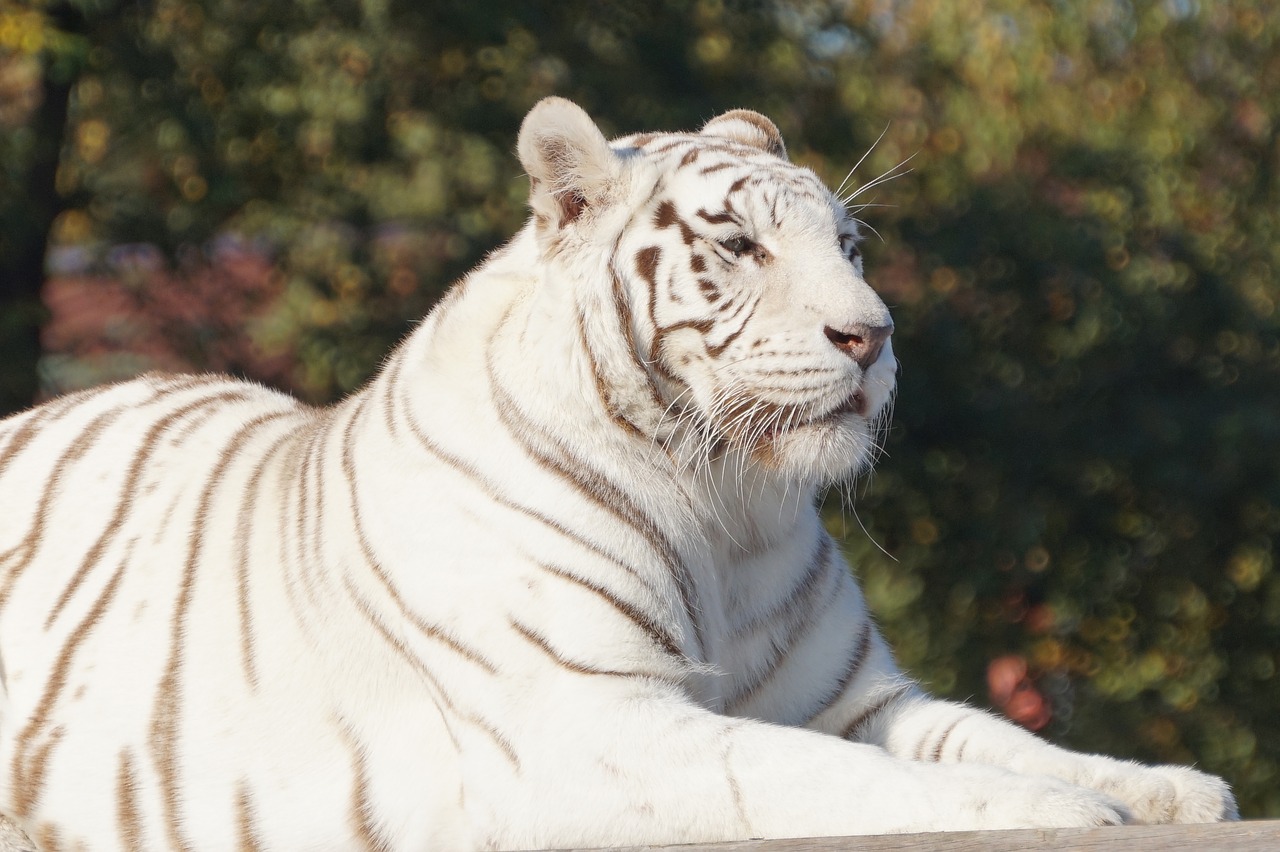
555, 577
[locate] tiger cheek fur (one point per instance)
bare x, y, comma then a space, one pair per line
555, 577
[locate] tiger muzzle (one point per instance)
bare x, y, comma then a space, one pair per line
862, 343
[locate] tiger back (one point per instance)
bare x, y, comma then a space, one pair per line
555, 577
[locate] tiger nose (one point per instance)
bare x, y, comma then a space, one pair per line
860, 342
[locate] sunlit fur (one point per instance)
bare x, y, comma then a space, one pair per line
554, 578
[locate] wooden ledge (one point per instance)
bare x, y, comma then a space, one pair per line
1248, 836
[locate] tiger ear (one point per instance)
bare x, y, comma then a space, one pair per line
569, 162
748, 128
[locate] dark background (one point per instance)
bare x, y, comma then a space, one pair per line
1075, 519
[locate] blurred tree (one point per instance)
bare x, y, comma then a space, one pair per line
41, 50
1082, 490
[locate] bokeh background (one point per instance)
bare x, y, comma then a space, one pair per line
1075, 520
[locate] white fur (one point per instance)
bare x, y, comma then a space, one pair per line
554, 578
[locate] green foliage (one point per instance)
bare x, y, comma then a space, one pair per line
1085, 464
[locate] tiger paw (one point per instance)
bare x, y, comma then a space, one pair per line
995, 799
1171, 794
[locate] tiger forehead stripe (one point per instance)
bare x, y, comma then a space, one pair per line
729, 215
666, 215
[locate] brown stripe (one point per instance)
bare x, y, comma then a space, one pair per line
854, 665
312, 501
420, 666
246, 820
494, 492
578, 473
54, 483
361, 807
392, 381
244, 532
819, 564
305, 489
626, 324
642, 139
165, 720
702, 326
127, 803
602, 386
735, 789
431, 631
800, 620
124, 502
647, 260
718, 350
27, 784
646, 264
321, 451
29, 774
632, 612
598, 489
289, 504
717, 218
665, 215
34, 420
48, 839
873, 710
942, 741
675, 144
544, 645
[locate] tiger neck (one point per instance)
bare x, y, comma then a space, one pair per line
562, 368
510, 351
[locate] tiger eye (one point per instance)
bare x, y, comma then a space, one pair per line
738, 246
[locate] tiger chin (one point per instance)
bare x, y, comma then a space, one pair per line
534, 586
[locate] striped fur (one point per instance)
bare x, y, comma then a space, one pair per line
554, 578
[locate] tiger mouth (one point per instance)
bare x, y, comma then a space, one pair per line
855, 403
752, 421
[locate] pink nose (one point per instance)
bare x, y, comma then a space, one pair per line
860, 342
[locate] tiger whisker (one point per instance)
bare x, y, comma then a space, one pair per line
892, 174
840, 188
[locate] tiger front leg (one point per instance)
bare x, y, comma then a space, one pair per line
656, 769
943, 732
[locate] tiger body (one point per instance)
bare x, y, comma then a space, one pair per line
555, 577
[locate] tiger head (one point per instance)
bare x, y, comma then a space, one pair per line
719, 289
